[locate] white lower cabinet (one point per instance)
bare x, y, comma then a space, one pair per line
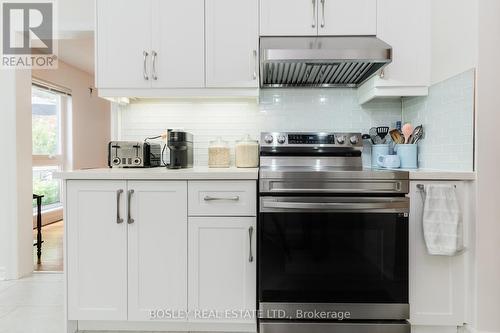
126, 238
157, 248
437, 283
96, 250
222, 268
129, 244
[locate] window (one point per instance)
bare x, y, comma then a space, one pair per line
49, 109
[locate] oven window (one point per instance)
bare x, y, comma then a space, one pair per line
333, 257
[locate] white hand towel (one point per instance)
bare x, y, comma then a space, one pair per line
442, 220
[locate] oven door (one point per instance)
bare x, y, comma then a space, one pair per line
333, 254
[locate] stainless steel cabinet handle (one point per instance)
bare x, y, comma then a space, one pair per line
145, 66
209, 198
154, 54
322, 13
314, 13
250, 234
118, 195
130, 220
254, 75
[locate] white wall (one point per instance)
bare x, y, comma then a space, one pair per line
454, 37
488, 162
75, 15
90, 115
16, 241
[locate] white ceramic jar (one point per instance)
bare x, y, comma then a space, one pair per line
247, 153
219, 155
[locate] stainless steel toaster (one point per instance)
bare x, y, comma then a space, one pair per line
132, 154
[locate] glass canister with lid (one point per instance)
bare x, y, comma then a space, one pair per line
219, 155
247, 153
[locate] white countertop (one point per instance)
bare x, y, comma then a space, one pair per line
200, 173
205, 173
429, 174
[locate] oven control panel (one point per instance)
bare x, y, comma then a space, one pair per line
311, 139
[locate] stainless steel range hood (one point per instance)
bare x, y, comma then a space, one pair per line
321, 61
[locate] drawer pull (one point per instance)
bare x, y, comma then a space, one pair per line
209, 198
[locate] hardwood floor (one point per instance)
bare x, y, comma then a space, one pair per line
52, 248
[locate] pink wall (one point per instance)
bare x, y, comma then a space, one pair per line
90, 115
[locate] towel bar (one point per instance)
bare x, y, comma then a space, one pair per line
421, 187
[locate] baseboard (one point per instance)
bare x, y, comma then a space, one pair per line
3, 273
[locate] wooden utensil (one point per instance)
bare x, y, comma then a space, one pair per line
407, 132
396, 136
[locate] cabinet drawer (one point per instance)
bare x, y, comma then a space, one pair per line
222, 198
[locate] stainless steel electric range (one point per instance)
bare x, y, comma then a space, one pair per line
332, 238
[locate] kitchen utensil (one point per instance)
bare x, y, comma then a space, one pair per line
374, 136
417, 134
407, 132
396, 136
366, 137
388, 161
382, 132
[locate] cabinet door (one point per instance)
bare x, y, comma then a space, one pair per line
437, 283
123, 34
232, 39
288, 17
157, 247
404, 24
222, 273
178, 40
97, 250
347, 17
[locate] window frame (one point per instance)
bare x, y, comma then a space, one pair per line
53, 212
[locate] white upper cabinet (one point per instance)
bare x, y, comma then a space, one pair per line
232, 40
97, 250
404, 25
318, 17
288, 18
158, 48
437, 283
157, 247
177, 53
347, 17
123, 36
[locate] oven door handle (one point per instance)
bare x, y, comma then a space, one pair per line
375, 207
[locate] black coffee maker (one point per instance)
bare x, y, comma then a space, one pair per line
180, 144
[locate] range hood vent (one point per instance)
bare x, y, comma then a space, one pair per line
323, 62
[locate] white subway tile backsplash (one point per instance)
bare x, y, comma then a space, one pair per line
277, 110
447, 115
